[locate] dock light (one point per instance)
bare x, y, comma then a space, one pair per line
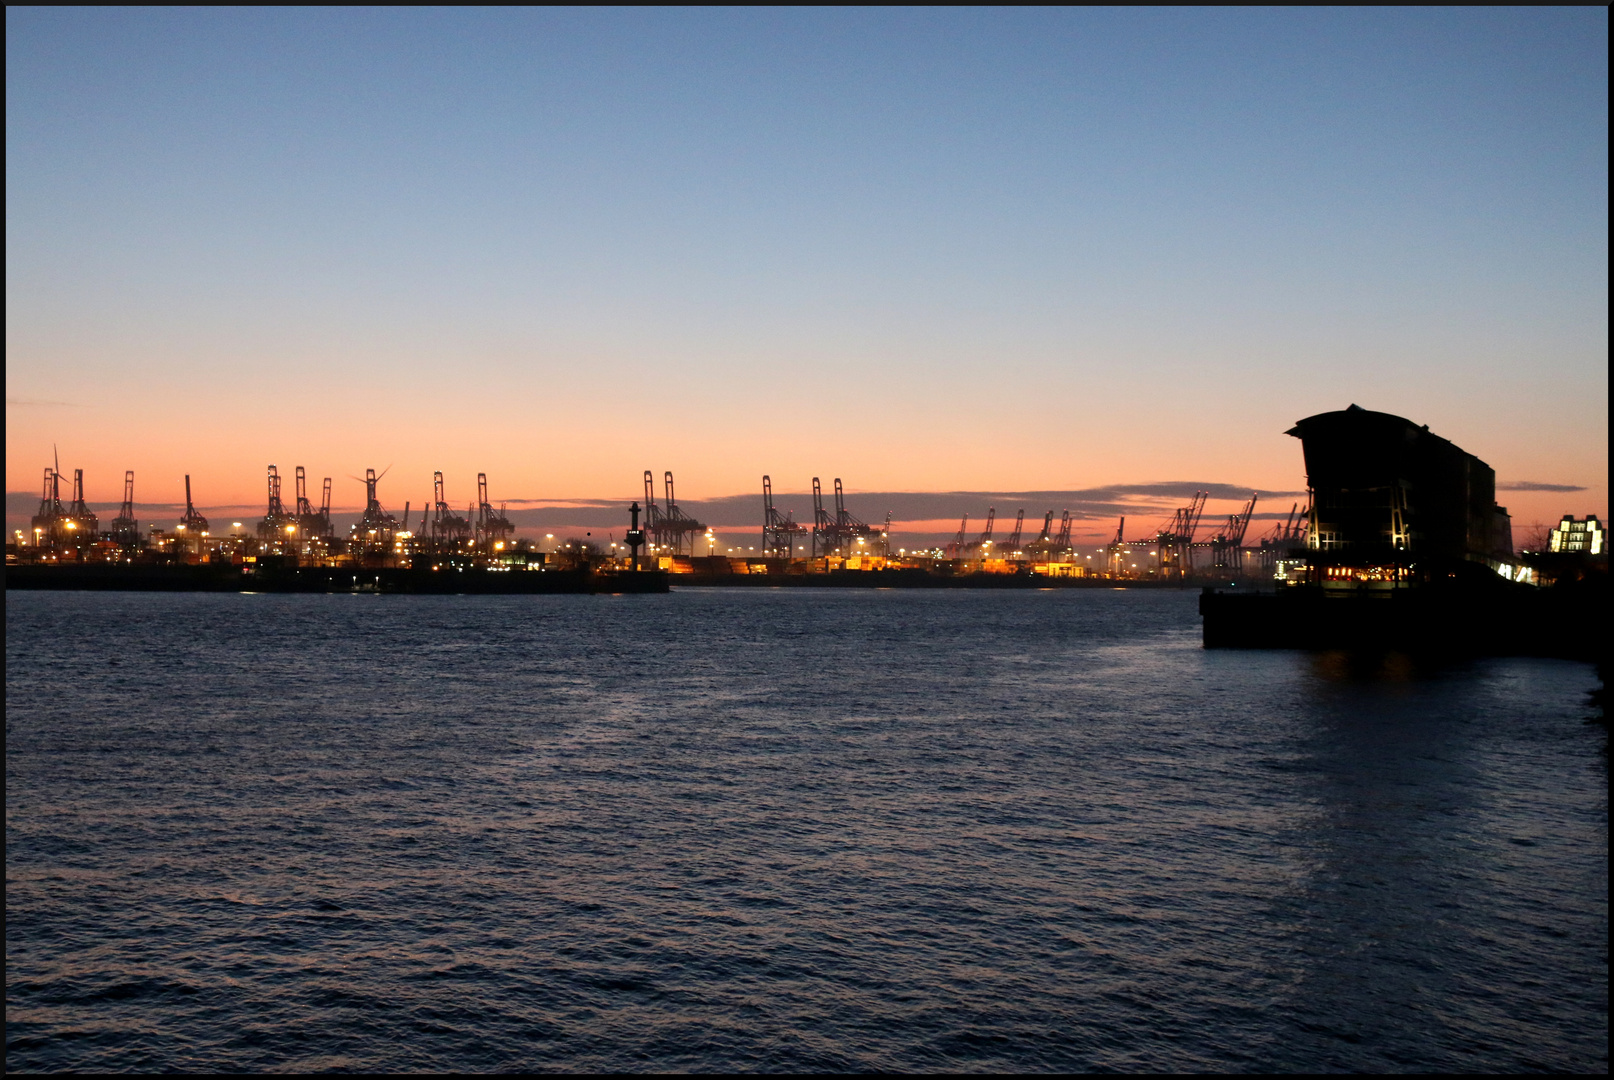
72, 524
290, 529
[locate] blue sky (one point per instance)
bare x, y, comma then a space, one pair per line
926, 250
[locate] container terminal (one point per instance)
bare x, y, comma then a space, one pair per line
1400, 540
837, 547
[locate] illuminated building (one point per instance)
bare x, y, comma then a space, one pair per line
1579, 537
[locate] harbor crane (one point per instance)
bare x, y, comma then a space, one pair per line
312, 523
125, 529
850, 529
983, 542
835, 535
375, 527
652, 512
1176, 542
1042, 544
275, 519
823, 526
1012, 547
1227, 546
50, 523
957, 545
671, 530
1049, 544
81, 519
1295, 526
492, 526
1114, 552
779, 531
448, 529
1286, 536
193, 522
685, 528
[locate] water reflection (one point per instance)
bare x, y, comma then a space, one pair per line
783, 830
1406, 839
1387, 666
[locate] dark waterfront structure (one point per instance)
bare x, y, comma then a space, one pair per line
1392, 502
1405, 549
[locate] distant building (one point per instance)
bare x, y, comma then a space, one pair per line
1393, 503
1578, 537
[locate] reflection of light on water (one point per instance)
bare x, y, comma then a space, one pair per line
1348, 666
1340, 665
810, 829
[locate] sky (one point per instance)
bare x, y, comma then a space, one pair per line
957, 258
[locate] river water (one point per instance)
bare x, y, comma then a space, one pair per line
784, 830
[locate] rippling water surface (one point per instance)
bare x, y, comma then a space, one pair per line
784, 829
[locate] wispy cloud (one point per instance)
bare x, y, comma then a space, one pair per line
39, 403
1089, 504
1533, 485
914, 513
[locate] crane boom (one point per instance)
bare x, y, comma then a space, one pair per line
986, 534
1244, 519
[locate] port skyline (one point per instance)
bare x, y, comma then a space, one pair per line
919, 518
927, 253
